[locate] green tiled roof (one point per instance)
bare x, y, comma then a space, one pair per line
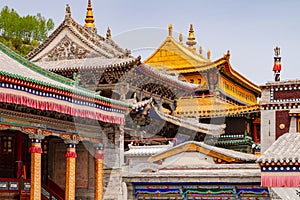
57, 81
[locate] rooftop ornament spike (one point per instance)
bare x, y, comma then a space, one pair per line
89, 20
170, 30
191, 39
208, 54
277, 64
180, 38
108, 33
68, 11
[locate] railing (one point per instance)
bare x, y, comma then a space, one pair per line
17, 186
14, 185
49, 193
22, 187
55, 190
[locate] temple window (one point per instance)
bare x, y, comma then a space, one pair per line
7, 144
192, 81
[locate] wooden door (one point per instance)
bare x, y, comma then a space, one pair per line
7, 155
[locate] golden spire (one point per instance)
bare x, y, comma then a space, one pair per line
89, 20
191, 39
170, 30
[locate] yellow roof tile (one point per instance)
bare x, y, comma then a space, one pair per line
173, 55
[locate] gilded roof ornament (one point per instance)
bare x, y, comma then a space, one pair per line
191, 39
170, 30
200, 50
208, 54
89, 20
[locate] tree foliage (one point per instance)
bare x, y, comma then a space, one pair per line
23, 33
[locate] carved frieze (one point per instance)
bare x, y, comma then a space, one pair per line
67, 49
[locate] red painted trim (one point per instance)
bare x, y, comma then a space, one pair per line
35, 149
71, 154
99, 156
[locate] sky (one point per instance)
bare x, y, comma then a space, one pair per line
249, 29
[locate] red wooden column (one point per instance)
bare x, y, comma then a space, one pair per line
71, 156
19, 163
99, 173
35, 169
255, 122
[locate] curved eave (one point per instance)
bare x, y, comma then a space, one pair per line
24, 81
80, 64
237, 76
66, 84
166, 78
218, 112
23, 61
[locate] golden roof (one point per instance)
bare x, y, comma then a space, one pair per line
174, 56
209, 107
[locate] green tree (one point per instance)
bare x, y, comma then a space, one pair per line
20, 33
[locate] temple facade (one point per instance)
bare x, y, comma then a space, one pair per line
222, 94
101, 124
51, 142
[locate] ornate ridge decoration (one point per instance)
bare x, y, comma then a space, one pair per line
66, 49
105, 47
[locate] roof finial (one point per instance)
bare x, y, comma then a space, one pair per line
108, 33
200, 50
180, 38
277, 64
170, 30
68, 11
89, 20
191, 39
208, 54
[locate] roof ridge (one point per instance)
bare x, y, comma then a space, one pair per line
68, 82
34, 67
39, 48
105, 47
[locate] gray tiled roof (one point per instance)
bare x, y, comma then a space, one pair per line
16, 66
285, 148
12, 66
226, 152
83, 63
